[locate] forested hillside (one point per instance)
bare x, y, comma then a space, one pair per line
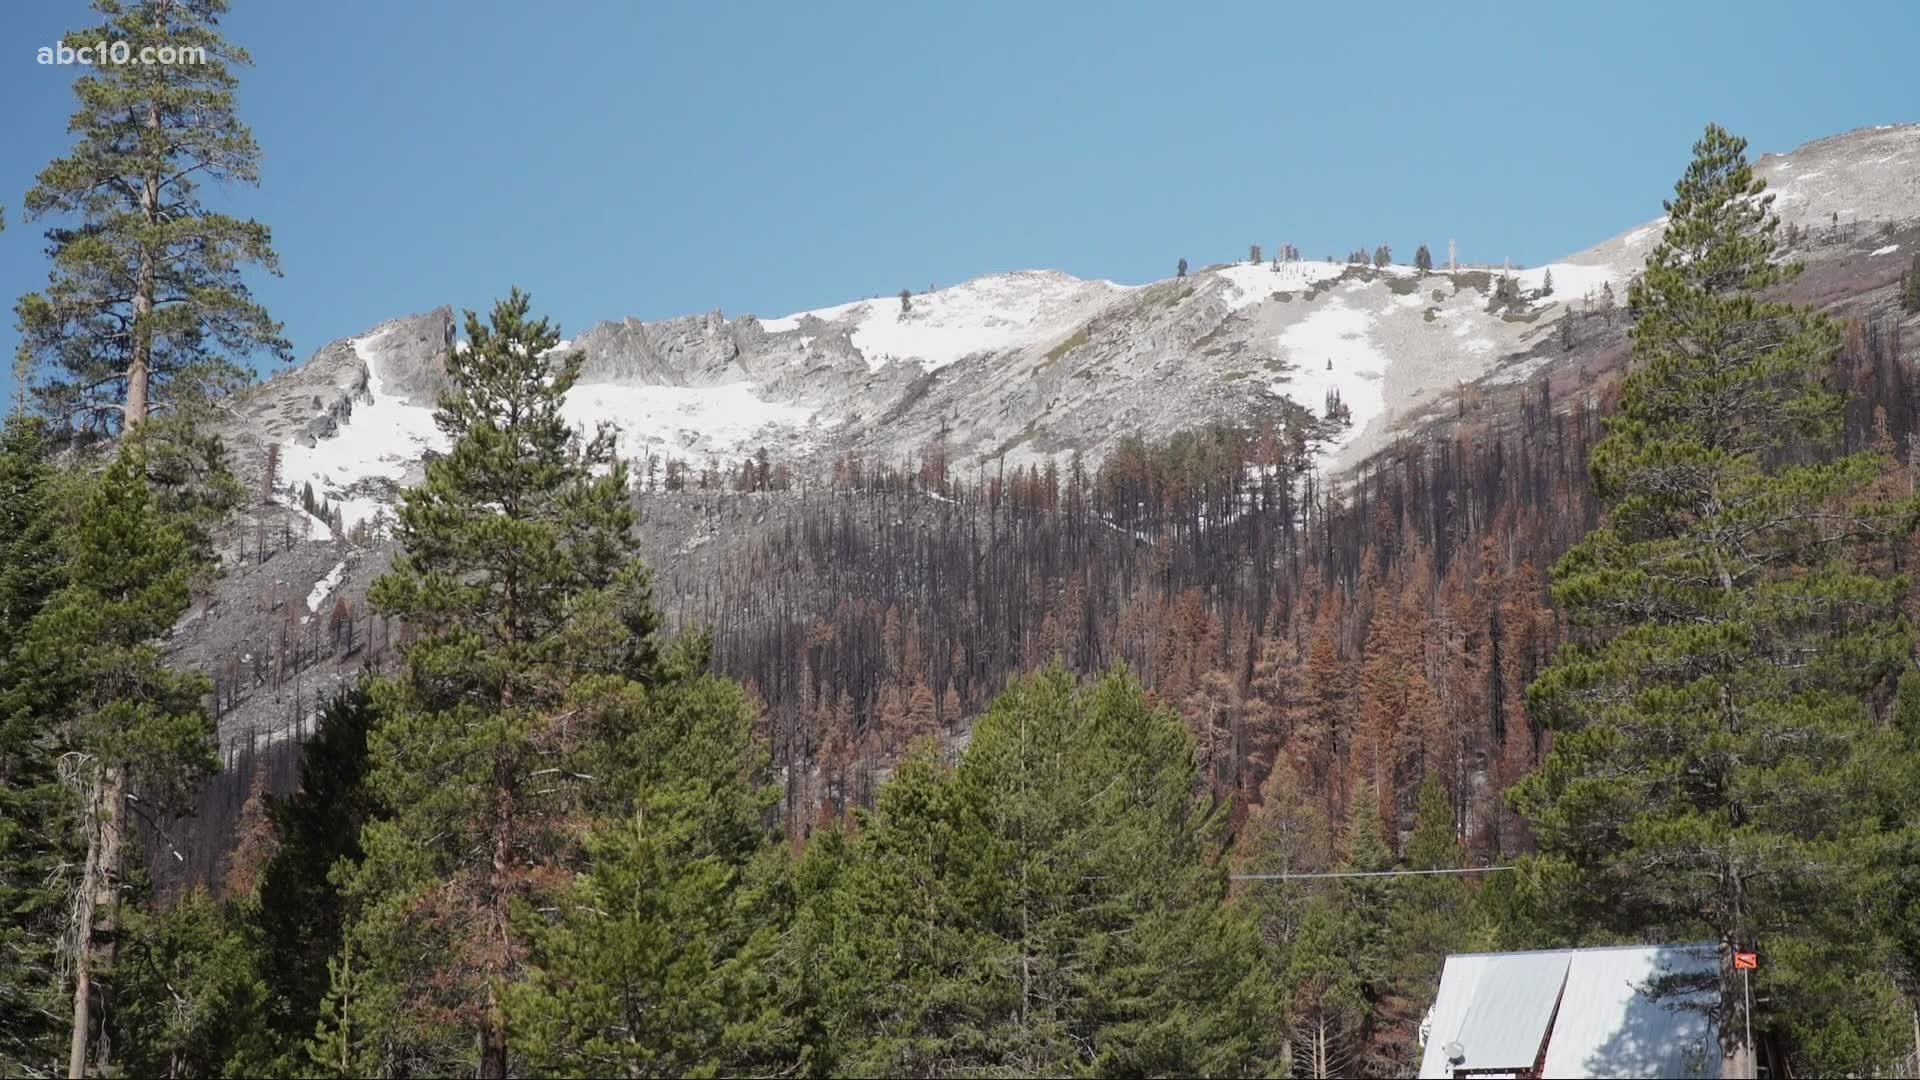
1231, 577
1196, 756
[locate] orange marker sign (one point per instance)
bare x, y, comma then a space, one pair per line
1747, 960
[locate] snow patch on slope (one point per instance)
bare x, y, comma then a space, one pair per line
383, 438
682, 421
987, 314
325, 586
1330, 350
1571, 281
1253, 283
316, 529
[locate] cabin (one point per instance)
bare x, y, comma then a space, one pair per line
1630, 1011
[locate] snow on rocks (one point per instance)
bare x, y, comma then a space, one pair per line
1252, 283
382, 439
325, 586
986, 314
1571, 281
316, 529
385, 438
683, 421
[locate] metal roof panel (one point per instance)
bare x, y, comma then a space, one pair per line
1638, 1012
1627, 1011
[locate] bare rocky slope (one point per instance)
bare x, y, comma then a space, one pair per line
1010, 368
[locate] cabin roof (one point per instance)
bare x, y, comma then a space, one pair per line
1622, 1011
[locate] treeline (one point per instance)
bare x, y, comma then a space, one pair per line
1212, 566
1216, 564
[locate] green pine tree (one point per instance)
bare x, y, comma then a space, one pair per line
131, 725
1049, 907
1900, 779
896, 972
300, 914
1174, 979
1287, 833
31, 559
145, 305
659, 961
1328, 995
1715, 767
37, 812
517, 573
1366, 906
192, 998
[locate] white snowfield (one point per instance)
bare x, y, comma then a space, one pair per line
1330, 350
386, 438
986, 314
687, 422
1254, 283
1572, 281
1374, 336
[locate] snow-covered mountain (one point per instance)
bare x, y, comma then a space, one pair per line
1016, 367
1030, 364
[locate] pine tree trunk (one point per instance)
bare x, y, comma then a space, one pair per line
82, 962
96, 913
143, 287
1913, 1060
493, 1029
1737, 1057
346, 1007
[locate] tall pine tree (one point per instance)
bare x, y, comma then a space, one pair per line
1714, 771
511, 549
131, 725
37, 812
145, 306
193, 999
1427, 918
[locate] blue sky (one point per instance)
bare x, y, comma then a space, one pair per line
653, 159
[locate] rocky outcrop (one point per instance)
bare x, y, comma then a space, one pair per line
692, 350
413, 351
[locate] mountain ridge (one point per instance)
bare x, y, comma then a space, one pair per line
1070, 366
1019, 366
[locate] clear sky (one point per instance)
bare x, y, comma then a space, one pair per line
657, 158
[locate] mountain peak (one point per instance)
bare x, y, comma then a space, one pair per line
1028, 364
